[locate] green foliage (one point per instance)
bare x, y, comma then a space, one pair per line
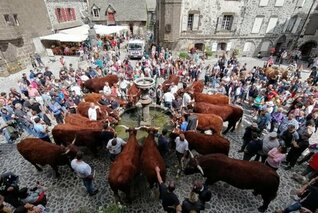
183, 55
208, 52
113, 208
236, 52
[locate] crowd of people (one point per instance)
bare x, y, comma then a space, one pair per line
285, 109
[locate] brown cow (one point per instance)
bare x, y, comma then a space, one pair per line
167, 83
126, 166
79, 120
217, 99
133, 95
96, 97
102, 114
238, 173
196, 86
91, 138
204, 144
206, 122
150, 158
39, 152
229, 113
97, 84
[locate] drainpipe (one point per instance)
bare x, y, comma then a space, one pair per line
305, 22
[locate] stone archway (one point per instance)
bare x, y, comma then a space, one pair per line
248, 49
306, 48
280, 43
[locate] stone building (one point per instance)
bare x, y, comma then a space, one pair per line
250, 26
66, 13
20, 23
132, 13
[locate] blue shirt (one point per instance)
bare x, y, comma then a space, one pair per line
184, 126
39, 131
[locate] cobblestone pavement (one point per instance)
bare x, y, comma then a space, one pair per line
68, 195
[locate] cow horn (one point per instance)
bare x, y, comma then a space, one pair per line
67, 151
124, 126
73, 142
137, 128
200, 169
191, 154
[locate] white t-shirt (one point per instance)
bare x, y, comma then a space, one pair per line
77, 90
168, 97
81, 168
186, 99
181, 146
174, 89
107, 90
92, 114
117, 148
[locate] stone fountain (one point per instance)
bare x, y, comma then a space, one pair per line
144, 84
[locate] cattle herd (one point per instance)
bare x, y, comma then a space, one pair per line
213, 161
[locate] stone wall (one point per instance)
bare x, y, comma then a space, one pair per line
206, 28
16, 39
79, 7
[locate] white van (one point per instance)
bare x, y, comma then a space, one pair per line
136, 48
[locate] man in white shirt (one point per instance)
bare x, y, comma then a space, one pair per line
84, 171
168, 97
173, 88
114, 146
106, 89
186, 100
92, 112
182, 148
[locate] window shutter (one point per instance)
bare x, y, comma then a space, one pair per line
67, 14
300, 3
73, 14
285, 25
271, 25
64, 16
184, 23
263, 3
279, 3
296, 25
257, 24
234, 23
57, 15
219, 23
195, 21
228, 46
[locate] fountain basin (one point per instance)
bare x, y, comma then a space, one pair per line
145, 83
132, 118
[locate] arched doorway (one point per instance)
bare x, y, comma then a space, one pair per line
306, 48
199, 46
279, 43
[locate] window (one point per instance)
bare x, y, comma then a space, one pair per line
263, 3
300, 3
296, 25
227, 22
16, 20
190, 21
96, 12
8, 20
291, 24
257, 24
221, 46
271, 24
58, 14
279, 3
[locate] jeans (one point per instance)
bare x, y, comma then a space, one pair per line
88, 183
294, 207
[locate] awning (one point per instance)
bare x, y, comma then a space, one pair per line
79, 34
64, 37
